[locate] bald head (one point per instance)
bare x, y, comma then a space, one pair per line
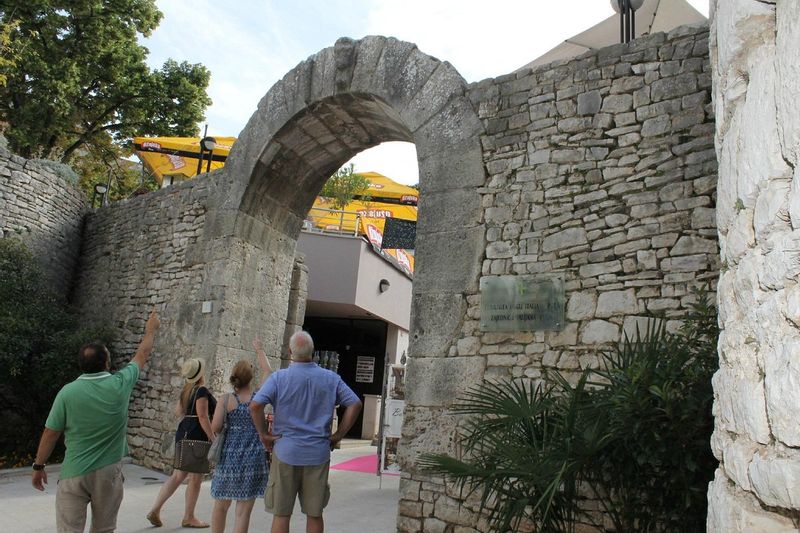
301, 346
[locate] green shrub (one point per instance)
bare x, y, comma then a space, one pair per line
59, 169
633, 434
41, 337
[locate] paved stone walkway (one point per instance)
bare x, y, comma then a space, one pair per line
357, 502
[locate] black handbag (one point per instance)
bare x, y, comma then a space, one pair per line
191, 455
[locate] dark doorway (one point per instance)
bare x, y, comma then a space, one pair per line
361, 344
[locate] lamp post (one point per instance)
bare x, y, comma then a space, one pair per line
207, 144
99, 190
627, 18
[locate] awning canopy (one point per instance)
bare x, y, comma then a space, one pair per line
654, 16
178, 157
383, 189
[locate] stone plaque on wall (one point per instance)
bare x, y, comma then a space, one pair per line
522, 303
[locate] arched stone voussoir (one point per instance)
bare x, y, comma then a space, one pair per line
270, 116
352, 96
449, 127
412, 82
443, 85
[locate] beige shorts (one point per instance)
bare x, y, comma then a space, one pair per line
286, 482
101, 488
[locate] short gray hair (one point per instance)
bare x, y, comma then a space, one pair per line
301, 346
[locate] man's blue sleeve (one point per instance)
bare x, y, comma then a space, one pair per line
266, 394
345, 395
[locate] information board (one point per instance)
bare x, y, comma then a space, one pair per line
365, 369
522, 303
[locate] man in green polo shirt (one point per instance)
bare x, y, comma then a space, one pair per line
92, 413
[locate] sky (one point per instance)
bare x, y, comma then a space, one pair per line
248, 45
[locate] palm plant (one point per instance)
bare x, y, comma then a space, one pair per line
525, 445
633, 435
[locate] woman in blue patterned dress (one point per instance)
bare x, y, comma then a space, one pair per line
241, 473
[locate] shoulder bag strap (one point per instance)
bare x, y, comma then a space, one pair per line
190, 407
186, 413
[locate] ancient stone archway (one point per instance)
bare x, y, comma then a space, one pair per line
215, 254
330, 107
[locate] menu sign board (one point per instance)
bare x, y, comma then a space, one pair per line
522, 303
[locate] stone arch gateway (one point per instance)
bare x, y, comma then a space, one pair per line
337, 103
216, 254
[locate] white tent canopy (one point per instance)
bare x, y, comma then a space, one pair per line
654, 16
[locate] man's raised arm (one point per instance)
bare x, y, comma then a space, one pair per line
146, 346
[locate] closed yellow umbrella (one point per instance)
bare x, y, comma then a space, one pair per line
178, 157
382, 188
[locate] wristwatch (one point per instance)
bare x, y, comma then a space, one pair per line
38, 467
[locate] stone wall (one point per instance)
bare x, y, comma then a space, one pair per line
600, 170
162, 250
757, 437
46, 212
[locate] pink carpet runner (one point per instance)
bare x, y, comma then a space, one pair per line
367, 464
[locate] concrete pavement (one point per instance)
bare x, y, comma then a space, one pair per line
357, 503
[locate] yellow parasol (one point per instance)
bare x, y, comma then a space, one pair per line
382, 188
178, 157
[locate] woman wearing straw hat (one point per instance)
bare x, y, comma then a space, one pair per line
195, 404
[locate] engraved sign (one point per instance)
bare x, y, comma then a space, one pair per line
522, 303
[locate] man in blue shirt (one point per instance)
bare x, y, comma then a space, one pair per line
303, 397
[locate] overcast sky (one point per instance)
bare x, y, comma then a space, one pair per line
250, 44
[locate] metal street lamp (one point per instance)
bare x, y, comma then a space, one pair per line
100, 189
207, 144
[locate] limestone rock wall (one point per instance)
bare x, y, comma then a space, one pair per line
143, 253
171, 249
46, 212
756, 439
602, 170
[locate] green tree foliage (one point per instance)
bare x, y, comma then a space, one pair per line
8, 54
634, 434
81, 80
344, 186
38, 354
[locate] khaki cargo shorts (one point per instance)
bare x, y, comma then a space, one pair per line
286, 482
102, 488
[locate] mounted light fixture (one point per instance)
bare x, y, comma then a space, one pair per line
627, 18
100, 190
207, 145
384, 285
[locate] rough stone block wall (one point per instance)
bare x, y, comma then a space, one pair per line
756, 395
138, 254
601, 170
46, 212
171, 249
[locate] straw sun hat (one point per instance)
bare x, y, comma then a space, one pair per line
192, 370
